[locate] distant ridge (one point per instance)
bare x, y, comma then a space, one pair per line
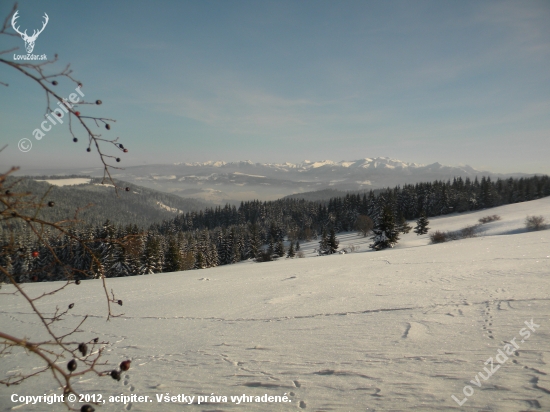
223, 182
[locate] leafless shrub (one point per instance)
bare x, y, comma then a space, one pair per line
535, 222
469, 231
488, 219
454, 235
438, 237
300, 254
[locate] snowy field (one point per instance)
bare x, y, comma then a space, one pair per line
403, 329
67, 182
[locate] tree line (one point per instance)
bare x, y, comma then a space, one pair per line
254, 230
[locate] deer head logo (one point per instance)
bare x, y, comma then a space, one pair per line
29, 40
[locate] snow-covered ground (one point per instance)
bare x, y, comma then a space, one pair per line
67, 182
403, 329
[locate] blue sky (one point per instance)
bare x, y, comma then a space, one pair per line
458, 82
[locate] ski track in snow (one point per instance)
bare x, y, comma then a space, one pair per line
395, 330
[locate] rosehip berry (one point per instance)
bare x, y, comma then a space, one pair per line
83, 348
125, 150
98, 102
87, 408
51, 203
108, 126
115, 374
71, 366
118, 159
34, 253
125, 365
58, 114
75, 139
77, 282
79, 84
54, 82
77, 113
88, 149
119, 302
71, 306
35, 278
127, 189
96, 340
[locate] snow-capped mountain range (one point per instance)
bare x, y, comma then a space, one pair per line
221, 182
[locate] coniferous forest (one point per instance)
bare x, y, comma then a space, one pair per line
254, 230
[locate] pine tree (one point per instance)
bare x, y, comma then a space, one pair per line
271, 247
422, 225
385, 232
402, 225
279, 248
297, 246
332, 244
152, 260
323, 243
173, 258
290, 252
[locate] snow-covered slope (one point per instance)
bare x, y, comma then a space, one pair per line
398, 330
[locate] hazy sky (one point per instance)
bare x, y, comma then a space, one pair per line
458, 82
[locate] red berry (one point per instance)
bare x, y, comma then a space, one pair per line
77, 113
87, 408
58, 114
77, 282
98, 102
108, 126
119, 302
35, 278
127, 189
125, 150
71, 306
96, 340
71, 366
54, 82
125, 365
118, 159
35, 253
51, 204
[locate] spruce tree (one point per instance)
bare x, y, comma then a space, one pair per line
332, 244
279, 248
291, 252
402, 225
422, 225
297, 246
323, 244
173, 258
386, 233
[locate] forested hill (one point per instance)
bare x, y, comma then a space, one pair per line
97, 203
299, 216
225, 235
